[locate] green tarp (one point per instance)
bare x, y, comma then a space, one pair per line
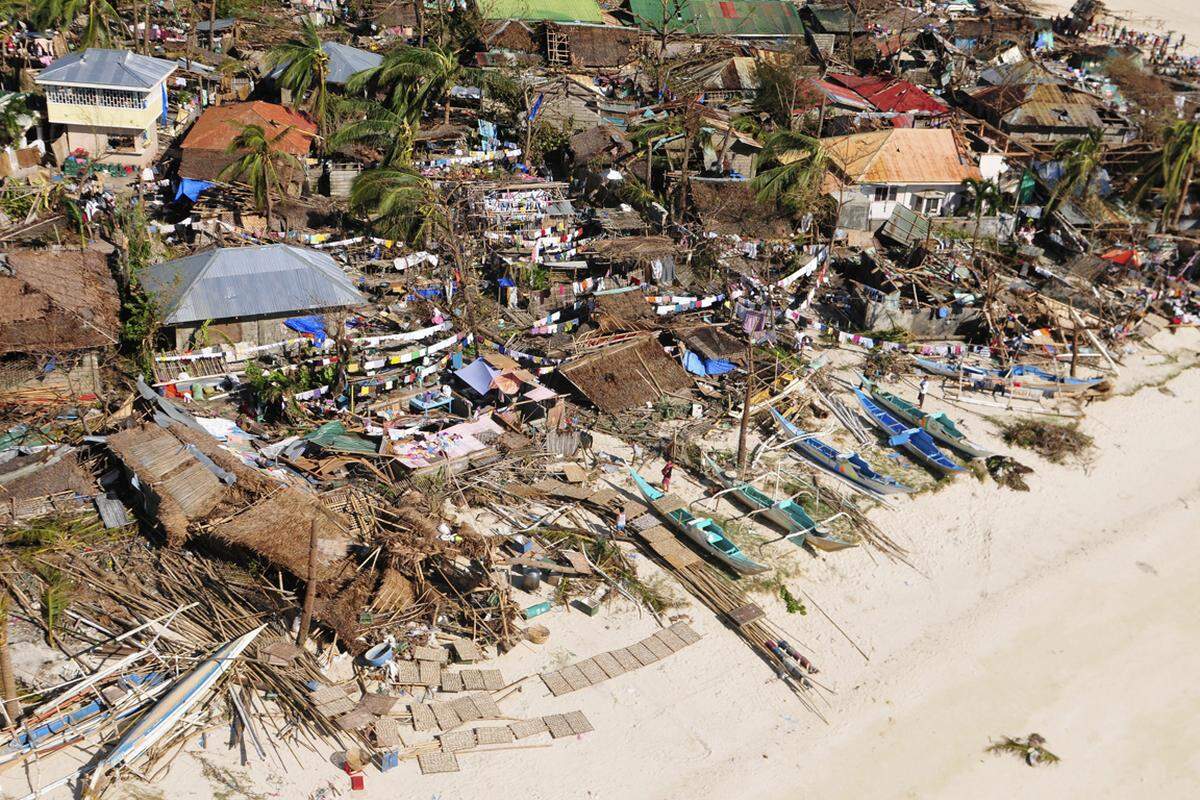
333, 436
716, 18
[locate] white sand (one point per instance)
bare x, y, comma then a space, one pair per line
1069, 610
1160, 16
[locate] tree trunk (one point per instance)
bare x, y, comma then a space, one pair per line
419, 12
1178, 215
8, 681
745, 424
212, 26
146, 28
310, 588
268, 209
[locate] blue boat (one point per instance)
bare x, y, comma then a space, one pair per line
707, 534
848, 466
914, 441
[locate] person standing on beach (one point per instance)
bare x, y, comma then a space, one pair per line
921, 388
667, 470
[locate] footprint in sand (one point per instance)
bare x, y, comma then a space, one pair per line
1144, 567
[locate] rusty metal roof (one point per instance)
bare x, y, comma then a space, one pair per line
901, 155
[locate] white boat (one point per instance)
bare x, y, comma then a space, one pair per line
175, 704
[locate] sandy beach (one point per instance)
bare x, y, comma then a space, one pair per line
1068, 610
1180, 16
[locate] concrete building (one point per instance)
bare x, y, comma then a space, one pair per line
109, 103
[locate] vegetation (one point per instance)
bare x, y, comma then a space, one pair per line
262, 164
412, 79
100, 18
1080, 159
1053, 441
1170, 171
982, 196
305, 70
398, 202
14, 118
1031, 749
795, 166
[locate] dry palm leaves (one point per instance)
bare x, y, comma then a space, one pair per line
1032, 749
1052, 440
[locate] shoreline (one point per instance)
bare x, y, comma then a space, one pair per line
1022, 612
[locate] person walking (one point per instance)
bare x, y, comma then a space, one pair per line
667, 471
921, 389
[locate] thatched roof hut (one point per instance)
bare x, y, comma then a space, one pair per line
627, 375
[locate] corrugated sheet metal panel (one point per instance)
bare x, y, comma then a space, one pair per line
556, 10
727, 18
233, 282
901, 155
100, 67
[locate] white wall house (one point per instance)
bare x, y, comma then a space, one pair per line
107, 102
920, 168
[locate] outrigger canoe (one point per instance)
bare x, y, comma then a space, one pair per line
1025, 375
158, 721
914, 441
937, 425
850, 467
700, 530
787, 515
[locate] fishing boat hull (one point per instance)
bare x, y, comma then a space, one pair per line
933, 424
158, 721
697, 531
914, 441
847, 469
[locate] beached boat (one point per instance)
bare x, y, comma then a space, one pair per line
937, 425
1032, 377
701, 530
158, 721
1023, 375
850, 467
786, 514
914, 441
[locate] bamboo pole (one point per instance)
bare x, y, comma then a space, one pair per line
310, 588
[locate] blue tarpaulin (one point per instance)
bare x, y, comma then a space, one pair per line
478, 375
697, 365
191, 188
315, 326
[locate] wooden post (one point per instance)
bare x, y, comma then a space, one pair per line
8, 681
1074, 341
745, 425
310, 589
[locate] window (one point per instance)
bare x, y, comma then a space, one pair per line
885, 194
105, 98
933, 206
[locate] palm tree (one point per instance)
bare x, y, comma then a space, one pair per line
412, 77
101, 17
305, 69
398, 202
1171, 170
383, 129
1080, 158
261, 164
14, 118
799, 162
982, 196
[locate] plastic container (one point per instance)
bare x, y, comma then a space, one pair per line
379, 655
537, 610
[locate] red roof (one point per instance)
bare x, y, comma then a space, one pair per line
218, 126
891, 95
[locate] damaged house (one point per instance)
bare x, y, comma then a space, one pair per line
920, 168
205, 150
60, 315
246, 294
634, 373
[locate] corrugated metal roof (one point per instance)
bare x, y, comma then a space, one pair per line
344, 61
723, 17
231, 282
900, 155
98, 67
556, 10
830, 19
218, 126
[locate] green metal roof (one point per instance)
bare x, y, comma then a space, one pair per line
556, 10
722, 17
